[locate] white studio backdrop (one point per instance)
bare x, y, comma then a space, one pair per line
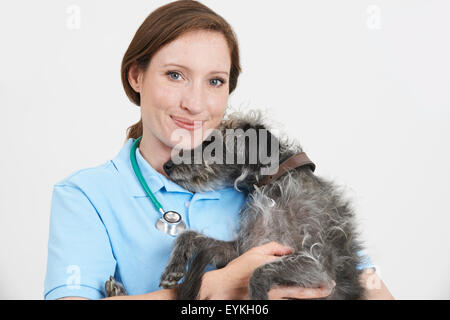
363, 85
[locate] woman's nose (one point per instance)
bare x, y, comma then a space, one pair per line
194, 99
168, 167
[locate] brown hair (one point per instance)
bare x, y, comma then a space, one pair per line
164, 25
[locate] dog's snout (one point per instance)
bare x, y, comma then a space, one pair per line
168, 167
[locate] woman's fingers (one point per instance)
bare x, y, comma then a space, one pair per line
274, 248
280, 293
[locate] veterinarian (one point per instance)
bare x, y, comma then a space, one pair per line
102, 222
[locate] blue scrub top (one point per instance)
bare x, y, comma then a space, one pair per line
102, 223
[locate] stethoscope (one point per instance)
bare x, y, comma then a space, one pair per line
171, 221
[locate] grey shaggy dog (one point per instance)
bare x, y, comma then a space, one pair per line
297, 209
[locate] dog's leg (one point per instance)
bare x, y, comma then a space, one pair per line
218, 256
114, 288
181, 253
298, 270
188, 243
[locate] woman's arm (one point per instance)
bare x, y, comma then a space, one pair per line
234, 281
375, 289
233, 288
164, 294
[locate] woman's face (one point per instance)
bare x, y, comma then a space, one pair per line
186, 81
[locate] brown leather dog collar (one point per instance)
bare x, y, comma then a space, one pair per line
297, 160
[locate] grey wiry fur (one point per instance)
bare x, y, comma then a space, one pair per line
114, 288
299, 210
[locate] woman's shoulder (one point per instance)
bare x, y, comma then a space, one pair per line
99, 174
102, 174
99, 184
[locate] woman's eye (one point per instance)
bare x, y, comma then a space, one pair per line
170, 73
222, 81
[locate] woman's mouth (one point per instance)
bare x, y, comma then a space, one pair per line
190, 125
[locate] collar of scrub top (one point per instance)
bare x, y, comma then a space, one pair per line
156, 181
171, 222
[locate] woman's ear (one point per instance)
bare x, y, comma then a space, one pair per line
135, 77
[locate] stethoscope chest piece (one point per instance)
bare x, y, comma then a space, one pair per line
171, 223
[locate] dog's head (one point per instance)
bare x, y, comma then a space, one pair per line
239, 154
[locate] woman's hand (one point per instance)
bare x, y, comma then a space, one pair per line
231, 282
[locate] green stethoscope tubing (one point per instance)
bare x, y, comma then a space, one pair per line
171, 222
141, 179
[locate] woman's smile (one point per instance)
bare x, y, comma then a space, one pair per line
187, 124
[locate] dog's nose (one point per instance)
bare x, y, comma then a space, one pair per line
168, 167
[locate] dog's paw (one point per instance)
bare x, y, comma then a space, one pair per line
114, 288
170, 280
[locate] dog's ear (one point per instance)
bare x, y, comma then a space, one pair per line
251, 153
265, 142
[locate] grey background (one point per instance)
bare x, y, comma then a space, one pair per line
364, 86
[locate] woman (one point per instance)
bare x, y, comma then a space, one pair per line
180, 68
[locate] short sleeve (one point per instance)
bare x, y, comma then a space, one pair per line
80, 258
366, 262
